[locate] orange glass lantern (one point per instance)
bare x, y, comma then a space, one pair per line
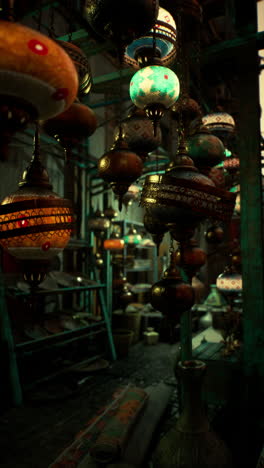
114, 244
35, 71
35, 223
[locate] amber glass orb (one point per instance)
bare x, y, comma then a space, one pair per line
36, 71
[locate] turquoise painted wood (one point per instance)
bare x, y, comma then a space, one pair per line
251, 212
9, 376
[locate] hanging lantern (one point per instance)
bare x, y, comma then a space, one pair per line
190, 257
98, 223
110, 213
205, 149
137, 131
155, 228
72, 126
154, 88
187, 110
81, 64
219, 122
35, 223
113, 244
35, 73
171, 295
131, 195
236, 190
120, 167
140, 51
231, 165
132, 237
214, 234
120, 21
182, 197
229, 282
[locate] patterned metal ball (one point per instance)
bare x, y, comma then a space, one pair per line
138, 133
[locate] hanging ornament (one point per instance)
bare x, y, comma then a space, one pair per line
205, 149
171, 295
120, 167
72, 126
35, 223
182, 197
131, 195
214, 234
36, 75
138, 133
110, 213
231, 165
121, 22
154, 88
155, 228
139, 52
190, 257
132, 237
229, 282
98, 223
219, 122
185, 111
81, 64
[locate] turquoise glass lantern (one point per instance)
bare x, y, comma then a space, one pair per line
154, 88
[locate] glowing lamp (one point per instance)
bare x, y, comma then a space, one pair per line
114, 244
219, 122
132, 237
229, 282
154, 88
35, 71
35, 223
138, 53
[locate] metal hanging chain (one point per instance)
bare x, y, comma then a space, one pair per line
120, 51
154, 28
70, 23
180, 72
52, 33
39, 17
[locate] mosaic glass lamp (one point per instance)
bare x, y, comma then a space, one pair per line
154, 88
219, 122
140, 51
229, 282
132, 237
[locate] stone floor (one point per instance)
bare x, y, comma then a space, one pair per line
34, 435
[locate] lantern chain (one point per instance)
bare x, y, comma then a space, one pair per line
39, 17
51, 18
70, 23
180, 72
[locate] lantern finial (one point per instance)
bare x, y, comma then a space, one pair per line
35, 174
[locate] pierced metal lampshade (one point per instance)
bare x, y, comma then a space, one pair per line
35, 223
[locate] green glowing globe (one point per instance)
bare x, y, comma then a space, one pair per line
154, 85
